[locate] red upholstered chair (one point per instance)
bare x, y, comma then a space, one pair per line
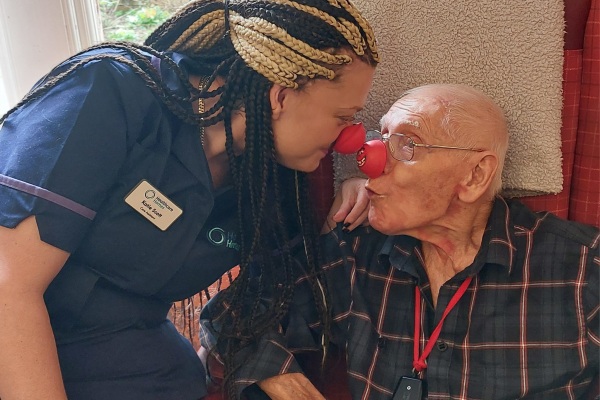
580, 198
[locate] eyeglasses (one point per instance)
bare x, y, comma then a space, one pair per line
402, 147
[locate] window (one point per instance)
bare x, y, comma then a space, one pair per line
134, 20
35, 35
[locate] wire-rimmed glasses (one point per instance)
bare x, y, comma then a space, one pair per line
402, 147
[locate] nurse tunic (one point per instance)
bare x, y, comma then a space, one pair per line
71, 157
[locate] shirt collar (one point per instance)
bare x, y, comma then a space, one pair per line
399, 251
496, 246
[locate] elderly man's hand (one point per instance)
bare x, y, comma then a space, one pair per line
290, 386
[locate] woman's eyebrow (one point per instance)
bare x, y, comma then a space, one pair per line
355, 108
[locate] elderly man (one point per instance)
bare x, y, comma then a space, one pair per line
453, 292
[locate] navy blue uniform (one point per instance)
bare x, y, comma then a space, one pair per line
70, 158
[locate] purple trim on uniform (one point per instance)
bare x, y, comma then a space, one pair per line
47, 195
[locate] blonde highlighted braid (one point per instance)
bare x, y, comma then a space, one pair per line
349, 31
362, 22
203, 33
271, 51
274, 60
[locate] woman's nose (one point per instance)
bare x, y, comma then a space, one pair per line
350, 139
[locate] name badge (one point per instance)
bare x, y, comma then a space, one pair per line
153, 205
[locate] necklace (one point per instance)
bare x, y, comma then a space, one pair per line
201, 109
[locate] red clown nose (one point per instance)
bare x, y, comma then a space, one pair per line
350, 139
371, 158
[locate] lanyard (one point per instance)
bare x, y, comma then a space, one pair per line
419, 363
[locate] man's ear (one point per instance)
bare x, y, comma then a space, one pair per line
278, 95
480, 178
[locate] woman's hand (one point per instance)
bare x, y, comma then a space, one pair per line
290, 386
351, 205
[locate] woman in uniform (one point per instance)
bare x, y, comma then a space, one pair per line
134, 176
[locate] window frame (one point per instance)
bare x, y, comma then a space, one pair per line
35, 35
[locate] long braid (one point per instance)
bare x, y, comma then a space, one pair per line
240, 284
318, 283
265, 142
258, 163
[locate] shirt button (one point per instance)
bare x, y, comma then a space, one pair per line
441, 345
381, 342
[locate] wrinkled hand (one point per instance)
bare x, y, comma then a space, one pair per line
290, 386
351, 205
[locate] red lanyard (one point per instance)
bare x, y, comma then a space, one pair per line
419, 363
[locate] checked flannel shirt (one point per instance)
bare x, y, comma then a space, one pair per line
527, 327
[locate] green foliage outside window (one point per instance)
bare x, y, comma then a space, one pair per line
133, 21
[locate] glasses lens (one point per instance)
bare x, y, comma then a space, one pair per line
401, 147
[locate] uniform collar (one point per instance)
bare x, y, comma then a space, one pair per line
187, 146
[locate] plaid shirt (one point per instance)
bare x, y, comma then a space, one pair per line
527, 327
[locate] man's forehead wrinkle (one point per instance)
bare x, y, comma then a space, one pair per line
401, 112
420, 113
432, 110
423, 111
395, 120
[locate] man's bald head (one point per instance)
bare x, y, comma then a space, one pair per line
466, 115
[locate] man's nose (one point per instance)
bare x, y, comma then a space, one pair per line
372, 158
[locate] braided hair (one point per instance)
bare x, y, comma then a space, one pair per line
253, 44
